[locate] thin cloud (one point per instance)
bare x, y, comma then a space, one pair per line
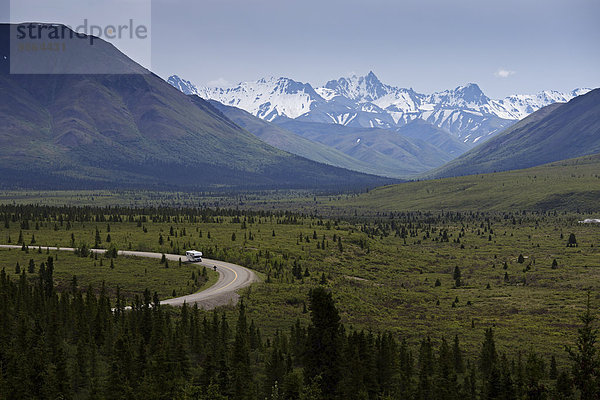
503, 73
221, 82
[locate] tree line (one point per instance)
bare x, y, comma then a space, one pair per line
14, 213
79, 345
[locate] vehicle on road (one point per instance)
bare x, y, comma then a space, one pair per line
194, 256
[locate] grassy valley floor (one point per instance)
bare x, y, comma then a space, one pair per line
395, 273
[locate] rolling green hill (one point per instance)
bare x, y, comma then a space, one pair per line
389, 152
563, 185
134, 130
556, 132
288, 141
379, 152
423, 130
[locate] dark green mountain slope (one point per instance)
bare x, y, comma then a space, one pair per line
566, 185
134, 130
556, 132
391, 153
288, 141
443, 140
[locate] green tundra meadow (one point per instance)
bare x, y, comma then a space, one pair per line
414, 274
375, 295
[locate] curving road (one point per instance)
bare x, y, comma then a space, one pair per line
232, 277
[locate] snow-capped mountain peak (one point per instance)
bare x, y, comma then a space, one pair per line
267, 98
364, 101
468, 96
186, 87
359, 88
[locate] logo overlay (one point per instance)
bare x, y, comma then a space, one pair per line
93, 39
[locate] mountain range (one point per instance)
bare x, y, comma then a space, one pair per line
133, 130
365, 102
556, 132
370, 150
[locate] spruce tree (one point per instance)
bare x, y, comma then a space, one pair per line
446, 381
584, 358
97, 239
425, 387
323, 280
457, 357
564, 386
322, 357
492, 384
274, 370
119, 378
241, 379
457, 276
507, 388
49, 277
553, 373
488, 356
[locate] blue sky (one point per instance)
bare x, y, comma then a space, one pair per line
505, 46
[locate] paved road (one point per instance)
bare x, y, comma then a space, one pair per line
232, 277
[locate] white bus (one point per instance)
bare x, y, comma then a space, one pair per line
194, 256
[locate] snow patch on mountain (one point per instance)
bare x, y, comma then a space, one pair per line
268, 98
186, 87
519, 106
364, 101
